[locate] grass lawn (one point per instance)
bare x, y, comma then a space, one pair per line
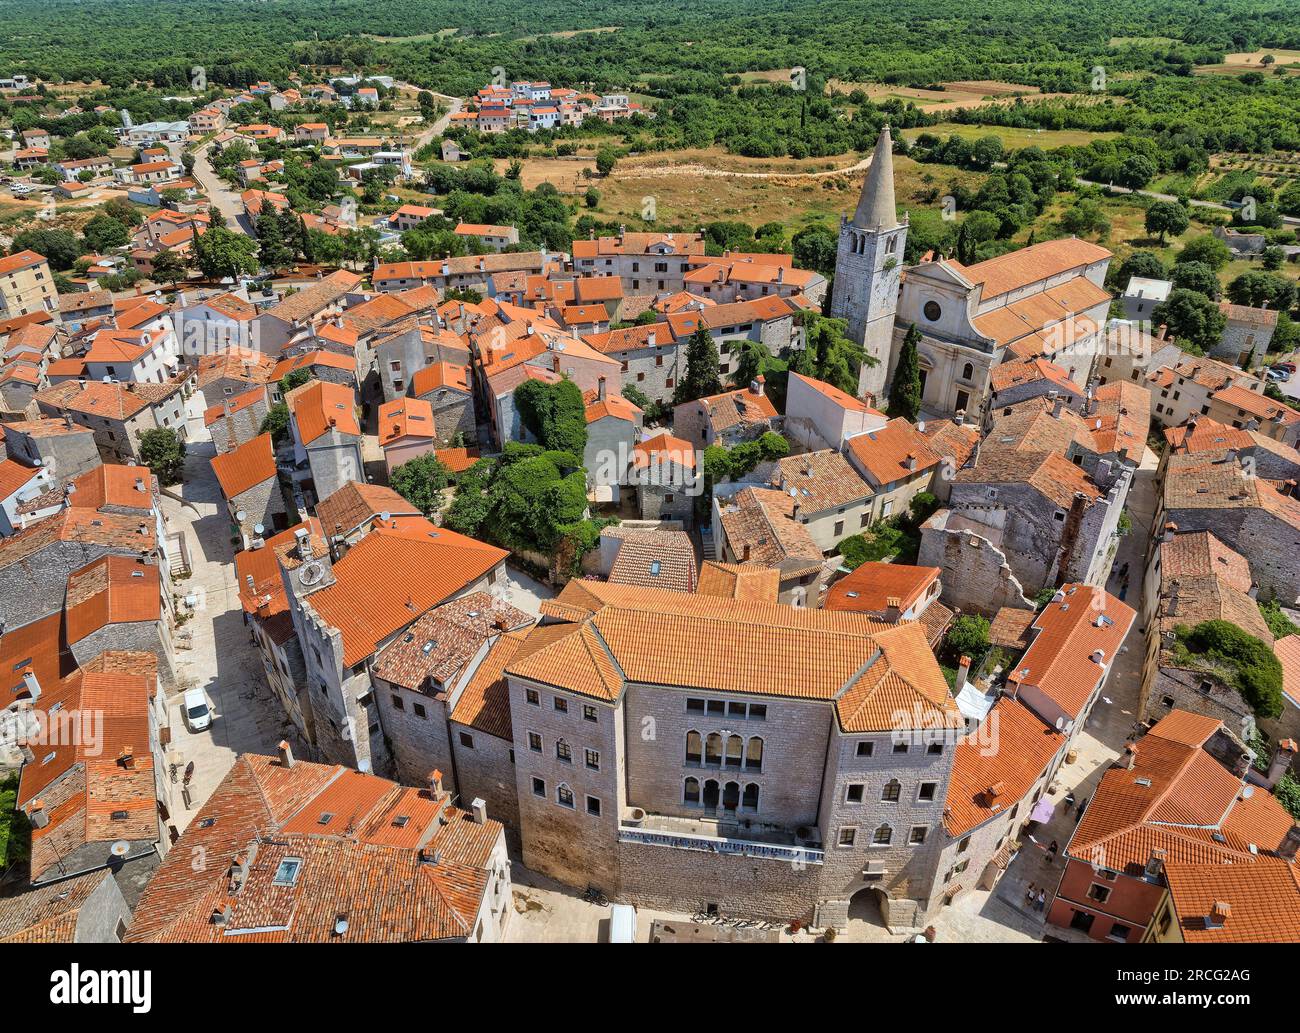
1012, 138
15, 832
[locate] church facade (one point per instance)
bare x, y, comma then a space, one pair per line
1046, 300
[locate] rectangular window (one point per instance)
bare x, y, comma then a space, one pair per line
917, 836
593, 759
865, 749
539, 787
561, 704
420, 711
588, 713
467, 740
564, 797
563, 752
534, 742
927, 791
854, 793
531, 696
848, 835
398, 704
593, 806
694, 706
900, 747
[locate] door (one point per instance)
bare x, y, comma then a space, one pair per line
1082, 921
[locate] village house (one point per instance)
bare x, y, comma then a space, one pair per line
291, 877
346, 610
406, 430
665, 471
1193, 577
326, 435
236, 420
820, 415
118, 412
728, 418
893, 592
1179, 794
251, 487
26, 285
1247, 335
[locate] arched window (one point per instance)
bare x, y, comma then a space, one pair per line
883, 836
691, 794
754, 755
694, 747
713, 749
711, 794
968, 371
892, 791
735, 751
731, 796
750, 800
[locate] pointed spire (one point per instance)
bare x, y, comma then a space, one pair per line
876, 207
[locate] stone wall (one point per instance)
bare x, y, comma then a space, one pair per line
486, 770
975, 575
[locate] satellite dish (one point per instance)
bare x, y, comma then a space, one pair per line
1247, 792
120, 848
241, 516
258, 530
311, 573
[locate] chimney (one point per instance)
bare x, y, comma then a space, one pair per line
1170, 530
745, 556
995, 790
39, 816
479, 809
126, 758
1098, 657
1287, 849
33, 687
1130, 756
920, 426
600, 389
893, 609
758, 386
435, 783
286, 754
1218, 916
1057, 402
304, 543
1155, 863
959, 417
963, 671
650, 339
910, 462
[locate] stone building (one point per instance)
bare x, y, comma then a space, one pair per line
419, 679
250, 484
665, 472
829, 497
680, 752
646, 262
344, 612
729, 418
326, 435
118, 413
650, 357
613, 430
819, 415
1272, 460
86, 908
446, 387
237, 420
755, 526
1219, 493
1246, 335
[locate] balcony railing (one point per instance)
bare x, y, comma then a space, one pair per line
721, 845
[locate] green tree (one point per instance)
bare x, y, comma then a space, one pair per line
61, 248
103, 233
1191, 317
221, 254
828, 354
162, 450
1165, 217
702, 378
554, 413
1208, 249
168, 267
905, 393
606, 159
814, 247
1257, 289
1196, 276
422, 481
968, 636
276, 423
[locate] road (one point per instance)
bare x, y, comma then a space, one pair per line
225, 200
454, 104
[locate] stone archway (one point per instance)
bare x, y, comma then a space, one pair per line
870, 905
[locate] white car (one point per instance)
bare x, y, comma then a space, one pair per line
198, 714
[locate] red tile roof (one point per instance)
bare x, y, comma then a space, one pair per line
246, 467
317, 407
112, 590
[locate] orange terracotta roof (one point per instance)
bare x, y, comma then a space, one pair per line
319, 407
1236, 903
840, 398
245, 467
1028, 265
885, 453
392, 576
112, 590
405, 418
870, 587
1080, 620
457, 459
355, 504
233, 404
733, 581
664, 448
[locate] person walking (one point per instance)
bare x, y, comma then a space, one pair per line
1082, 804
1030, 896
1051, 852
1042, 901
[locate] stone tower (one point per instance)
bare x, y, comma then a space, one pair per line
867, 267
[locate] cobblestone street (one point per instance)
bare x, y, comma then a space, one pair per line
222, 659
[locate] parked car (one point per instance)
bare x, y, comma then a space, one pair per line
198, 714
1277, 373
